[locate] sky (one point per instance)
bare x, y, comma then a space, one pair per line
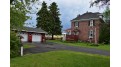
69, 9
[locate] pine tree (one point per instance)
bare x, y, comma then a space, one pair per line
49, 20
43, 17
55, 23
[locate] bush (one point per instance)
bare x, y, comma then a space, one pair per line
104, 36
14, 45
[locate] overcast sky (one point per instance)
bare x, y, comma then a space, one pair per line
69, 9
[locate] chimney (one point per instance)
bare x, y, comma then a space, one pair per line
78, 15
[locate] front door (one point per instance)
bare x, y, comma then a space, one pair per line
29, 37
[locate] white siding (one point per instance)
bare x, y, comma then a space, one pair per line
25, 37
36, 37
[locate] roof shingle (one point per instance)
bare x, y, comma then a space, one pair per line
29, 29
87, 15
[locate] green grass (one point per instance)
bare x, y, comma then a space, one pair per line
82, 44
61, 59
28, 46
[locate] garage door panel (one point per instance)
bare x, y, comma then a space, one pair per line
25, 37
36, 38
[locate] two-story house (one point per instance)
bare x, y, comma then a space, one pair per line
86, 26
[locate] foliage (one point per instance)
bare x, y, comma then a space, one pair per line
19, 10
104, 36
17, 14
49, 20
25, 2
61, 59
106, 15
14, 45
55, 20
102, 2
43, 17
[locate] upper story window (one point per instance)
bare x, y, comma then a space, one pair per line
91, 23
76, 24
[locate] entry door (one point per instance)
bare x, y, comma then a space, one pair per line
29, 37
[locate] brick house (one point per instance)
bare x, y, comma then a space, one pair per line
86, 26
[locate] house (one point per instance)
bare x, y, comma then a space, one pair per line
86, 26
31, 34
68, 31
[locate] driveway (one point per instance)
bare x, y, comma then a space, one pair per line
49, 46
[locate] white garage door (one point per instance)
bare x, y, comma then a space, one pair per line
25, 37
36, 37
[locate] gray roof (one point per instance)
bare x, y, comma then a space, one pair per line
29, 29
88, 15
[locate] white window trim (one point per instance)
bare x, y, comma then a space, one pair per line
76, 24
91, 23
69, 32
91, 32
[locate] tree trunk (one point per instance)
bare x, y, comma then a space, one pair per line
52, 37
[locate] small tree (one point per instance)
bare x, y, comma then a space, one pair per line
104, 36
106, 15
14, 45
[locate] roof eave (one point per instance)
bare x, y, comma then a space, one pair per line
85, 19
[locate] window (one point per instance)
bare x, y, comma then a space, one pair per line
69, 32
76, 24
91, 34
91, 23
101, 16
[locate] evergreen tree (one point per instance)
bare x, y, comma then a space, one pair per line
55, 23
49, 20
43, 17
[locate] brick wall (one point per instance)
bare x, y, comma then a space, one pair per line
84, 30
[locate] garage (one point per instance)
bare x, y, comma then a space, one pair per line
36, 37
25, 36
31, 34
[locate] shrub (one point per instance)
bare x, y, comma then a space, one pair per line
14, 45
104, 36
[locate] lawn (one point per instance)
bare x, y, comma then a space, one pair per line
28, 46
61, 59
82, 44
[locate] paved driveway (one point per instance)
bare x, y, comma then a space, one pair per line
46, 47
